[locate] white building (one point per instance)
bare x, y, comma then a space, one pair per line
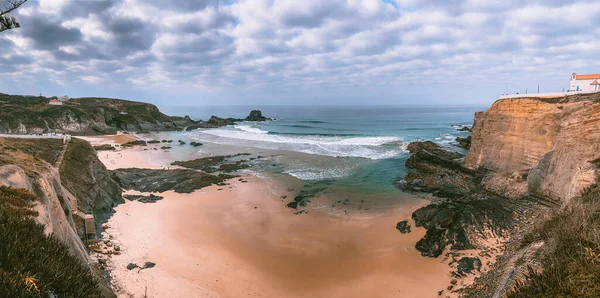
585, 82
55, 102
63, 98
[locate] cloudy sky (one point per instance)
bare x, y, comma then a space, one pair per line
188, 52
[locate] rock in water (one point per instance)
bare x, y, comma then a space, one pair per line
464, 142
256, 115
466, 265
403, 227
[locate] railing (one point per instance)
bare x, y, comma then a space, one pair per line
546, 95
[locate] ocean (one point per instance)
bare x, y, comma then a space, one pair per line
347, 151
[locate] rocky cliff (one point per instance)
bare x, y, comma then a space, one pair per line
27, 164
33, 114
552, 142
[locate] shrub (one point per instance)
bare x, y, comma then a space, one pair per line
33, 264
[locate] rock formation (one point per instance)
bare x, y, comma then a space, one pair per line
552, 142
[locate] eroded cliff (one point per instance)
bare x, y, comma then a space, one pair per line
551, 142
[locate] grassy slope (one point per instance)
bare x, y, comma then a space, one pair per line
570, 257
34, 265
87, 178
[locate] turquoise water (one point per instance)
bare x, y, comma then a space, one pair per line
358, 148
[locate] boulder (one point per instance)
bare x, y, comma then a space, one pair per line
466, 265
403, 227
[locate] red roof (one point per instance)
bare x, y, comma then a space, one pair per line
587, 77
54, 100
595, 82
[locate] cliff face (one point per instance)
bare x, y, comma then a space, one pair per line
84, 175
552, 142
25, 163
31, 114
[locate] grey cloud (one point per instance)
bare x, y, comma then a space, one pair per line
15, 60
184, 5
47, 34
131, 35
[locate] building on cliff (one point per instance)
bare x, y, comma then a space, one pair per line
55, 102
584, 82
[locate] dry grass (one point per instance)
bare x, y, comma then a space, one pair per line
571, 257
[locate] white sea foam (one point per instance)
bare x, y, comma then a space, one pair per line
250, 129
318, 174
338, 146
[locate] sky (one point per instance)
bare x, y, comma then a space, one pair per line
291, 52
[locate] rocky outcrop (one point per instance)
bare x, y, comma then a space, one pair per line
84, 175
552, 141
179, 180
437, 171
465, 210
214, 121
256, 115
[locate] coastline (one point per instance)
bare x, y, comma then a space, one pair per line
229, 241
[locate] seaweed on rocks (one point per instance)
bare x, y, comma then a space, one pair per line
214, 164
178, 180
403, 226
303, 197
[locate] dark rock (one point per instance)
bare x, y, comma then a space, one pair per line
195, 144
468, 209
303, 197
403, 227
181, 142
144, 199
215, 121
466, 265
135, 143
165, 147
213, 164
437, 171
153, 142
256, 115
105, 147
464, 143
464, 128
179, 180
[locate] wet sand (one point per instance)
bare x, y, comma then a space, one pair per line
241, 241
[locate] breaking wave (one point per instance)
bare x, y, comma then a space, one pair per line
372, 147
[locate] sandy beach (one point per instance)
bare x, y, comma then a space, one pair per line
241, 241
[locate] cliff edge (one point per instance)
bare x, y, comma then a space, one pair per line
553, 142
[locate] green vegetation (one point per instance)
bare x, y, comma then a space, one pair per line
570, 257
44, 149
31, 263
28, 114
87, 178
